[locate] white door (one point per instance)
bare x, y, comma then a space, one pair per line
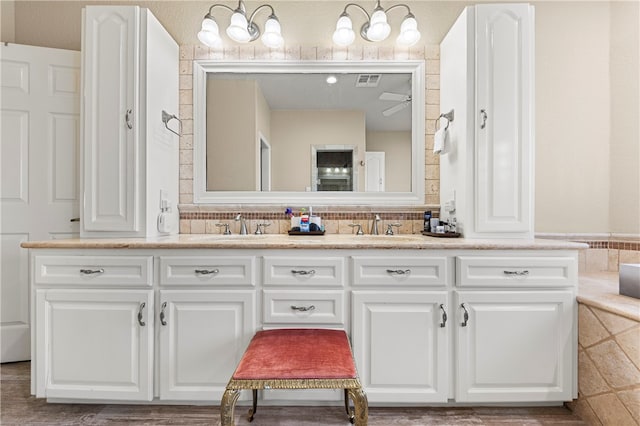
504, 118
374, 172
400, 345
111, 118
265, 165
203, 335
95, 344
39, 159
514, 346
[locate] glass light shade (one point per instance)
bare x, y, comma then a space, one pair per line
379, 29
344, 34
272, 37
209, 34
409, 34
237, 29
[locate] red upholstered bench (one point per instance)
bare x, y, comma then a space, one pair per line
296, 359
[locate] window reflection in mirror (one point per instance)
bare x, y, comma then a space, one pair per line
263, 131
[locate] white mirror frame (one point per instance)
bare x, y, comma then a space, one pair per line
202, 196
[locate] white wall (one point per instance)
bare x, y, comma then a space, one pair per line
7, 21
397, 149
572, 117
624, 198
293, 133
231, 129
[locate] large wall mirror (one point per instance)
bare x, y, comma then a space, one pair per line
309, 132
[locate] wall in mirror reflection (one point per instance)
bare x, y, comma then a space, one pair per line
254, 147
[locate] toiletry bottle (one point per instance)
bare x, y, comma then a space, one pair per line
304, 223
427, 221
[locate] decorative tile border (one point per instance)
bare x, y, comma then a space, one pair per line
281, 216
614, 245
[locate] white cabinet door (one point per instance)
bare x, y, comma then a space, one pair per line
95, 344
203, 335
110, 118
504, 117
400, 347
514, 346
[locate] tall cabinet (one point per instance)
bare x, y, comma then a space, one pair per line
487, 79
129, 155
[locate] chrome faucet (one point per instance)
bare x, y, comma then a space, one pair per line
260, 227
243, 224
390, 226
227, 231
358, 228
374, 225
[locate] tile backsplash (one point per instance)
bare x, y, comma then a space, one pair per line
201, 219
411, 222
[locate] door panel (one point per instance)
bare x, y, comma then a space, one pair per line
203, 338
515, 346
40, 108
95, 344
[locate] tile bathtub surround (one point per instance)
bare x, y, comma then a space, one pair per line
608, 368
608, 255
188, 53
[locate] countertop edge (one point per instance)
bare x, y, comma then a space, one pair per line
278, 241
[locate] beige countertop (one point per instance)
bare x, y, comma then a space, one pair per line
284, 241
600, 290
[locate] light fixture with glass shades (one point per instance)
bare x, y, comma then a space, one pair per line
241, 29
376, 28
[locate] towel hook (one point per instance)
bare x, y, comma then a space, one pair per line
448, 115
166, 117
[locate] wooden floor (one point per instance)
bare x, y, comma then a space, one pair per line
18, 407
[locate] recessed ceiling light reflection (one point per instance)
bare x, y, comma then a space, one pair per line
332, 79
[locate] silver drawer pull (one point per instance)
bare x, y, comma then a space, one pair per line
301, 272
206, 271
517, 273
399, 271
444, 316
92, 271
162, 315
465, 317
142, 323
303, 308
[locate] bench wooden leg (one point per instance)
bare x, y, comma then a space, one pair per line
227, 407
361, 406
252, 411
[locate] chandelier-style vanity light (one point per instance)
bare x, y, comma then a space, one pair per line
376, 28
240, 29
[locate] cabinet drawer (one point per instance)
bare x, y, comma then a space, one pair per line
296, 270
477, 271
308, 307
417, 270
207, 270
94, 270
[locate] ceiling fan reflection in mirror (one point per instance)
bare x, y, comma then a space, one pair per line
403, 102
